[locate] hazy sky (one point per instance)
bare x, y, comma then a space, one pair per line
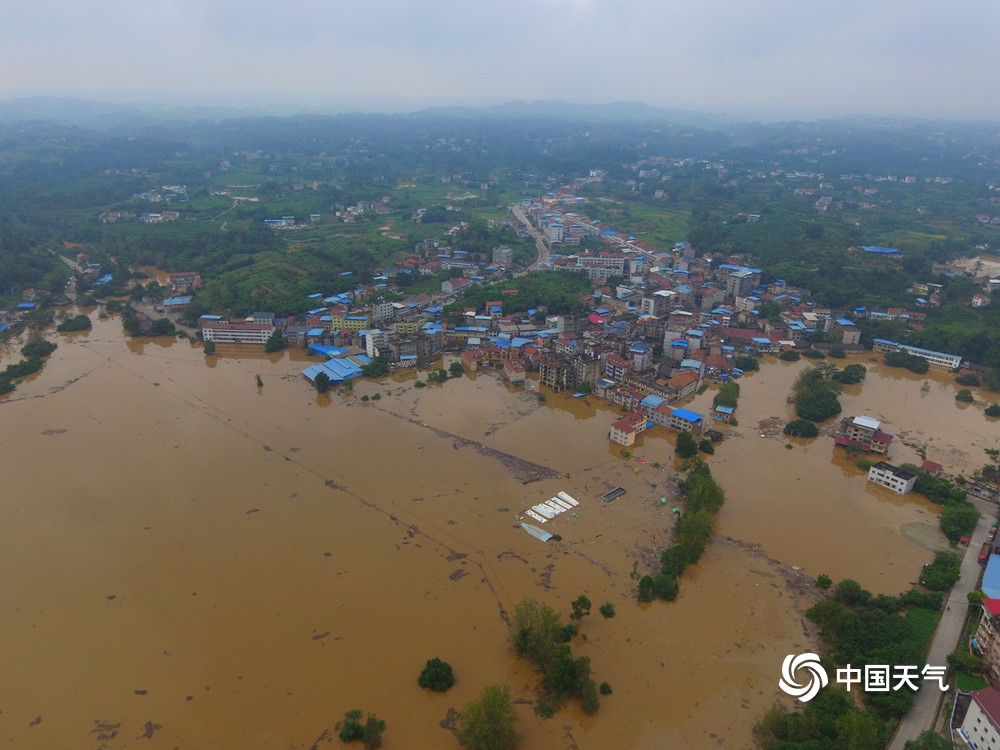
770, 58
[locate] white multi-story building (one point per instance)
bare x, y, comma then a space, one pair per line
980, 726
215, 328
898, 480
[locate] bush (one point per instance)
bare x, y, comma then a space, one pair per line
968, 379
790, 355
941, 574
993, 410
746, 363
801, 428
705, 446
686, 445
77, 323
605, 688
837, 353
209, 347
965, 396
607, 610
813, 354
437, 675
824, 581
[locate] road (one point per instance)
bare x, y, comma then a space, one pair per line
540, 246
949, 630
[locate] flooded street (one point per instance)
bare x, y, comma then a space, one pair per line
192, 561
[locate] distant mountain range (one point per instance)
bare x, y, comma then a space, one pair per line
103, 114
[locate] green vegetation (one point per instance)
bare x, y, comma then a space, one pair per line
536, 634
276, 342
823, 581
728, 395
837, 353
686, 446
34, 350
965, 396
790, 355
437, 675
813, 354
746, 363
959, 516
322, 382
456, 370
859, 629
942, 574
706, 446
607, 610
439, 375
162, 327
968, 379
489, 722
930, 740
801, 428
581, 607
350, 729
993, 410
703, 498
209, 347
911, 362
378, 368
554, 292
850, 375
79, 322
815, 394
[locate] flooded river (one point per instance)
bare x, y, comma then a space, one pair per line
192, 561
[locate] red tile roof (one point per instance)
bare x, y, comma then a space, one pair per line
989, 701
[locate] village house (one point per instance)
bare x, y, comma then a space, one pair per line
864, 432
624, 431
896, 479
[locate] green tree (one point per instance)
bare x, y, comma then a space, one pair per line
276, 342
993, 410
964, 395
209, 347
162, 327
490, 722
371, 736
534, 631
686, 445
581, 607
456, 369
378, 368
801, 428
607, 610
322, 382
824, 581
437, 675
850, 592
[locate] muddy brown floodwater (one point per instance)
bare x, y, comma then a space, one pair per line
192, 561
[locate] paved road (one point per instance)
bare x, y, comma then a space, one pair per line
950, 627
540, 246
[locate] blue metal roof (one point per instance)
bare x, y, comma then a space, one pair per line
326, 350
991, 578
177, 301
688, 415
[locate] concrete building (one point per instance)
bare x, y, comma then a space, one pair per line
865, 432
981, 727
987, 638
215, 328
898, 480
